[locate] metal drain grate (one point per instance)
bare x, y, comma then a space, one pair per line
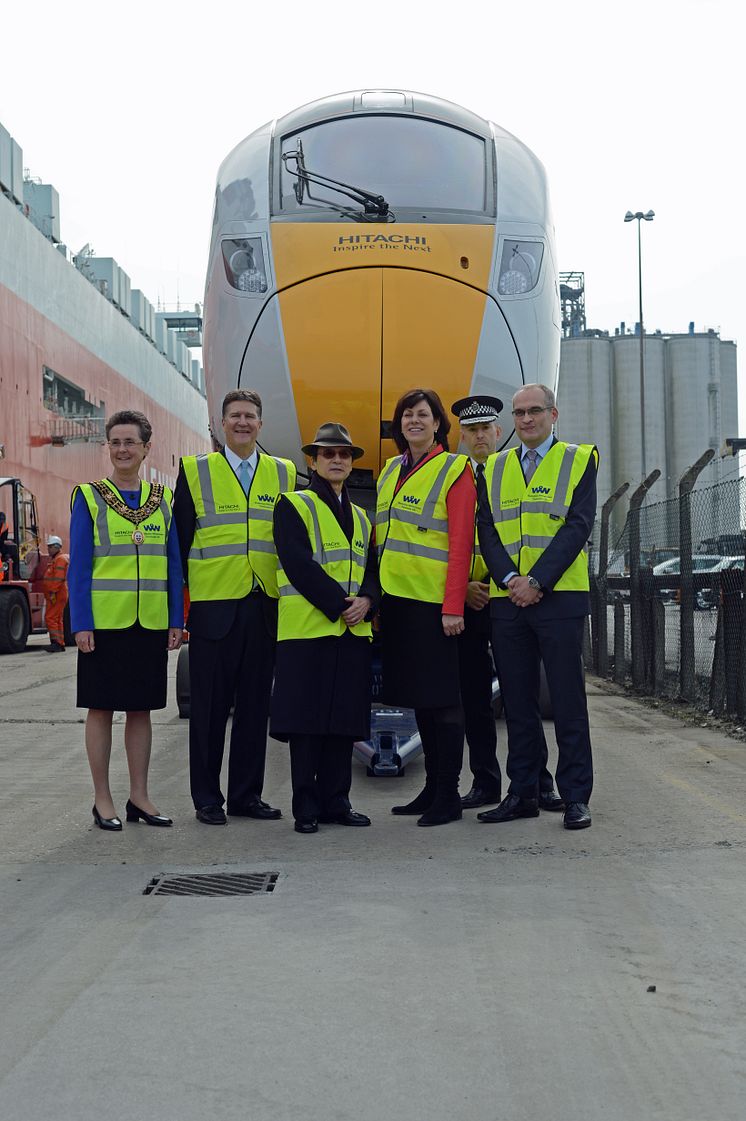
213, 883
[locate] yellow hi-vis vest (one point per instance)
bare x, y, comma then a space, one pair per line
341, 559
527, 517
412, 527
233, 543
129, 582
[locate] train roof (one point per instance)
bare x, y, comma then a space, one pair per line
397, 102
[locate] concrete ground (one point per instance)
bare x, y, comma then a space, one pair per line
497, 973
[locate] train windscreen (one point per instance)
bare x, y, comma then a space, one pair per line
414, 164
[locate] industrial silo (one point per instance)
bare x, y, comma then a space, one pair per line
629, 414
584, 403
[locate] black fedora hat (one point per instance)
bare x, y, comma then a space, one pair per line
332, 435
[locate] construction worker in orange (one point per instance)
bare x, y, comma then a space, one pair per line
55, 594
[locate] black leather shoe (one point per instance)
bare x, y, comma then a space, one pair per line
58, 648
351, 817
306, 825
259, 809
113, 824
134, 813
479, 797
577, 816
511, 808
550, 800
211, 815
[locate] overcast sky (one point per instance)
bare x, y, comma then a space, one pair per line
129, 109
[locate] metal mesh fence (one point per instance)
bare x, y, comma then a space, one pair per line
668, 600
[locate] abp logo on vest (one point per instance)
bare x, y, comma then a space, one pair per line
410, 498
151, 527
540, 490
270, 498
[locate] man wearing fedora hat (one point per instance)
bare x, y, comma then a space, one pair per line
479, 422
223, 505
328, 590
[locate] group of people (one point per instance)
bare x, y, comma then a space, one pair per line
286, 588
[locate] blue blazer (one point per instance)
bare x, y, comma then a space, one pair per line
556, 558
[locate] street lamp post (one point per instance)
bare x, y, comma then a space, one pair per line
648, 217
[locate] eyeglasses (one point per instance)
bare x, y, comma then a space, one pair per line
533, 411
332, 453
128, 444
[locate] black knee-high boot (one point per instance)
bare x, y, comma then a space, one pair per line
446, 805
428, 736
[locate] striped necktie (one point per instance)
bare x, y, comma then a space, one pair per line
531, 463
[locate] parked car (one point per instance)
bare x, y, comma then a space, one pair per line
708, 598
701, 562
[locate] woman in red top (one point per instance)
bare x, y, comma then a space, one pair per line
418, 647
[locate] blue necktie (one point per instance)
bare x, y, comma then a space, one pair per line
244, 475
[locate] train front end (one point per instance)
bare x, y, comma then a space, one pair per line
369, 243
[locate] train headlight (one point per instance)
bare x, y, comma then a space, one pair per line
243, 258
520, 266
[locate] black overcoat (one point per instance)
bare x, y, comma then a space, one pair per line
322, 685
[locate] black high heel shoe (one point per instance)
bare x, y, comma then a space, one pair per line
111, 823
134, 813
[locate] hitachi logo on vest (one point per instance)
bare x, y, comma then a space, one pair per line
410, 498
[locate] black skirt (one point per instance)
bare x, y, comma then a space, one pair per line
419, 661
126, 672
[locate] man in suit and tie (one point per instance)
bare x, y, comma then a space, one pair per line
223, 507
479, 424
537, 504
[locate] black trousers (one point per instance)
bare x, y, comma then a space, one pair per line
519, 644
475, 679
321, 773
234, 670
475, 676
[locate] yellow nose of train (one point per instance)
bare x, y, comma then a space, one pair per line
371, 310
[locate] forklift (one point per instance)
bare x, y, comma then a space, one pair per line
21, 567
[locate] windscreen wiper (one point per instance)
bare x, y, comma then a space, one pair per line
372, 204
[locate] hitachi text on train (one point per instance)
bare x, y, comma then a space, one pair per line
413, 243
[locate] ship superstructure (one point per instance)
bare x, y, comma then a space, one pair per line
77, 343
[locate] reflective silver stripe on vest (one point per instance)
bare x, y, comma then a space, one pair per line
205, 485
282, 474
417, 550
126, 550
559, 507
129, 585
232, 518
530, 542
411, 518
318, 553
261, 515
102, 520
499, 515
240, 550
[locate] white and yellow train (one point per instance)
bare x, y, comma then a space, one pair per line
368, 243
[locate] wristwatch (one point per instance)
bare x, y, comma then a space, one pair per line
533, 583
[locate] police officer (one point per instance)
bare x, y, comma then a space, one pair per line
537, 504
478, 418
223, 506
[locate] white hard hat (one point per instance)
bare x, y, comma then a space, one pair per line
53, 539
